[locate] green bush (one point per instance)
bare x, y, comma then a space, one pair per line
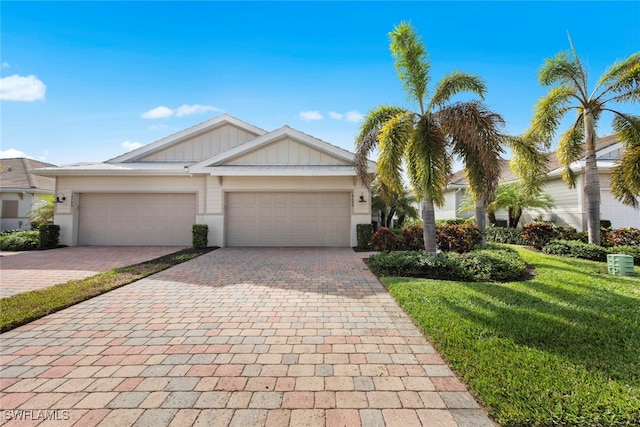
21, 240
512, 236
459, 238
49, 235
364, 233
634, 251
576, 249
385, 240
494, 264
200, 236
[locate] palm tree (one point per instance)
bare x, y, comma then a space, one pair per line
514, 198
390, 203
426, 140
567, 78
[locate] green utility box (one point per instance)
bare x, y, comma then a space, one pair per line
620, 265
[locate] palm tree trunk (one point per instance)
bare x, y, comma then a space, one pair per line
481, 221
591, 180
492, 217
429, 227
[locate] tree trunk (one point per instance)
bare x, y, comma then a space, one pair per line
591, 180
429, 227
517, 213
392, 212
481, 222
492, 217
510, 215
383, 219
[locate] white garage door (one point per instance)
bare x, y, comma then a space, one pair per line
136, 219
288, 219
620, 215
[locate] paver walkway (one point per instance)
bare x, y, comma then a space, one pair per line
237, 337
26, 271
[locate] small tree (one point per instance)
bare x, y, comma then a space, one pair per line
42, 212
391, 203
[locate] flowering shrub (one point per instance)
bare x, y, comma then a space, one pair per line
385, 240
538, 234
620, 237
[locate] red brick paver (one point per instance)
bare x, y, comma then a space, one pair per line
237, 337
26, 271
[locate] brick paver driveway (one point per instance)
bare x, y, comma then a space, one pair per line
26, 271
237, 337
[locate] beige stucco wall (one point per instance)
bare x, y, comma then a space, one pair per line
210, 192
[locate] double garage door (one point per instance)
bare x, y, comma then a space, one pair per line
288, 219
136, 219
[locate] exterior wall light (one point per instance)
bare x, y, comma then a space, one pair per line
60, 198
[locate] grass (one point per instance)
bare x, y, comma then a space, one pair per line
561, 349
20, 309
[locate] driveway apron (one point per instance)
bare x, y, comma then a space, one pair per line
236, 337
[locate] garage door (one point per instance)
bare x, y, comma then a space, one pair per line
136, 219
288, 219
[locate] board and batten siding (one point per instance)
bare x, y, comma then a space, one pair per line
287, 152
203, 146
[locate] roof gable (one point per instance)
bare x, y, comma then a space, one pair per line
196, 143
18, 173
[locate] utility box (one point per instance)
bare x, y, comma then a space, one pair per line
620, 265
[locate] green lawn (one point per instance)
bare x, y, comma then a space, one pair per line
560, 349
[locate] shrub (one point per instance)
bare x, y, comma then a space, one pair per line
569, 233
364, 232
385, 240
452, 221
413, 237
623, 237
458, 237
634, 251
200, 235
538, 234
22, 240
495, 264
605, 223
49, 235
512, 236
576, 249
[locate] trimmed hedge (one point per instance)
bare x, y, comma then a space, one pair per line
494, 264
200, 236
459, 238
512, 236
22, 240
576, 249
49, 235
364, 233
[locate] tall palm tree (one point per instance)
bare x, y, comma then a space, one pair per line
567, 78
426, 140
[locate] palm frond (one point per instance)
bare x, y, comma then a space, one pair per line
623, 79
367, 139
549, 111
563, 71
427, 160
411, 62
625, 177
528, 162
453, 84
393, 138
627, 128
570, 149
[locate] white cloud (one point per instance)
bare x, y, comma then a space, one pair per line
186, 110
11, 153
131, 145
5, 64
21, 88
354, 116
335, 115
158, 113
311, 115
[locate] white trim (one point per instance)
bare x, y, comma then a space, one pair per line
271, 171
184, 134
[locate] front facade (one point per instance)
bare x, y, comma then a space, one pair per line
250, 186
21, 190
570, 207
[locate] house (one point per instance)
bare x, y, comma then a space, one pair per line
250, 186
570, 206
20, 188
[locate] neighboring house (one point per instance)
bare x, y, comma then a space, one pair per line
20, 188
570, 206
250, 186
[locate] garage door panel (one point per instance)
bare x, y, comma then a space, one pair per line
136, 219
288, 219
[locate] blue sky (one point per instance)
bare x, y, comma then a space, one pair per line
87, 81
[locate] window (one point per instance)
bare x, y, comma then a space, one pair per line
9, 208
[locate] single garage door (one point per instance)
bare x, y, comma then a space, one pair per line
136, 219
288, 219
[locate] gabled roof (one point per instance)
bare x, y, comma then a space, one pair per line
17, 174
603, 146
178, 137
217, 165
